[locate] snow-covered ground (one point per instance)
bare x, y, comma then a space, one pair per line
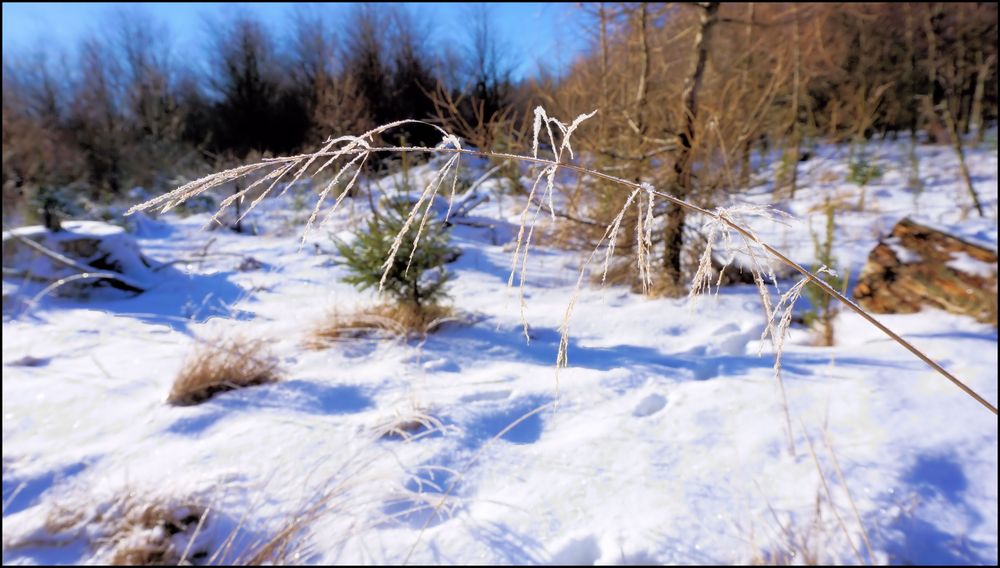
664, 441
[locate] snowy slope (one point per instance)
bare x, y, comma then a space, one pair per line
663, 441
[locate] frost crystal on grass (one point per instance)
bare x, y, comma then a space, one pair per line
721, 226
613, 234
549, 173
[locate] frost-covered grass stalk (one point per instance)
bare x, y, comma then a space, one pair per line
350, 153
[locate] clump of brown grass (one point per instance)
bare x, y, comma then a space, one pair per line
387, 321
223, 365
131, 530
145, 528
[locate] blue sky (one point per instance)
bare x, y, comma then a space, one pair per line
534, 33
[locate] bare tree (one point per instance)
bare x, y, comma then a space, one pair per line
151, 107
367, 61
948, 84
254, 109
489, 67
317, 68
412, 78
96, 117
37, 151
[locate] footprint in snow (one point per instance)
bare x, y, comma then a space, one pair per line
520, 421
29, 361
731, 339
486, 396
581, 551
649, 405
441, 365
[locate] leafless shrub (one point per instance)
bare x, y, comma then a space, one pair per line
223, 365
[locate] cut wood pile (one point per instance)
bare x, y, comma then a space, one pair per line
917, 266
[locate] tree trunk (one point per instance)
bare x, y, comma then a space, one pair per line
956, 144
641, 111
605, 99
944, 107
238, 226
933, 127
915, 182
796, 142
911, 68
642, 90
673, 236
982, 73
748, 67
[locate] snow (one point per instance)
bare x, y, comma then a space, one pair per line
71, 229
663, 441
963, 262
905, 255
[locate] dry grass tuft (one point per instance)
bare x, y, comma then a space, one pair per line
220, 366
133, 529
146, 536
390, 321
410, 425
810, 540
819, 538
804, 540
143, 528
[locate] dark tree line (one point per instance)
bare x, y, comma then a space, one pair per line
122, 109
680, 88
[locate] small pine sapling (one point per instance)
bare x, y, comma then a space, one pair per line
785, 166
820, 316
417, 277
990, 141
915, 184
862, 170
